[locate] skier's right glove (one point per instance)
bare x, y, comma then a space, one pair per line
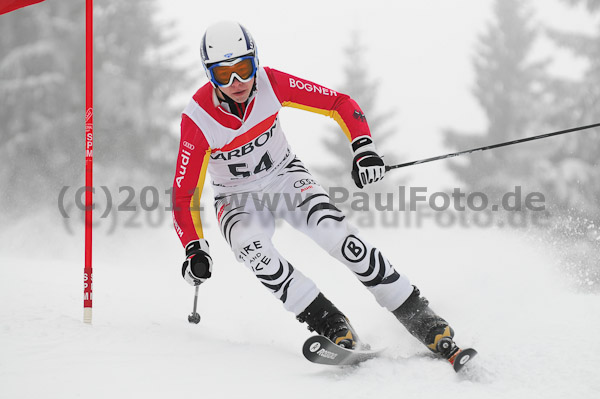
197, 268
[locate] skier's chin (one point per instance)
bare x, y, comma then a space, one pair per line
238, 91
240, 97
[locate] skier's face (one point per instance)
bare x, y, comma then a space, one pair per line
238, 91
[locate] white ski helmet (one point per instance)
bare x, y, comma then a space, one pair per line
226, 41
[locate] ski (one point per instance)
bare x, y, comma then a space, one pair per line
462, 357
321, 350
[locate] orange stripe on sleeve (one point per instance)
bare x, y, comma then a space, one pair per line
330, 113
195, 200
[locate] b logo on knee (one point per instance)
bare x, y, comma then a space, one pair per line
353, 249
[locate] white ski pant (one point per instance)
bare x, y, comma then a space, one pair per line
247, 222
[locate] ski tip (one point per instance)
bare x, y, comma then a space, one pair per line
462, 357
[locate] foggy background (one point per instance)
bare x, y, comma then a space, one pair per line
432, 78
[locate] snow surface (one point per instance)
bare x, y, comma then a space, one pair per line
501, 290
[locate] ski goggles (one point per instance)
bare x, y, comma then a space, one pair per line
223, 73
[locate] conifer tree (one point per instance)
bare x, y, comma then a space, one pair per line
509, 88
42, 89
364, 90
572, 170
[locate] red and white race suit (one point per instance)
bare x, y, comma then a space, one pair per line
257, 178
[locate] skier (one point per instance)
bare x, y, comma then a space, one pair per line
231, 129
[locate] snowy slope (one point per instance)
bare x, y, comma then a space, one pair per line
535, 336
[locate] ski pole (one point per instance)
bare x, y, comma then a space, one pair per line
195, 317
489, 147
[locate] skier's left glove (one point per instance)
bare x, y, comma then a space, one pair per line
197, 268
367, 166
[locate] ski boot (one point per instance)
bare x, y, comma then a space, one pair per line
429, 328
327, 320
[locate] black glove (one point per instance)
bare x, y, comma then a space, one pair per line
367, 166
197, 268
